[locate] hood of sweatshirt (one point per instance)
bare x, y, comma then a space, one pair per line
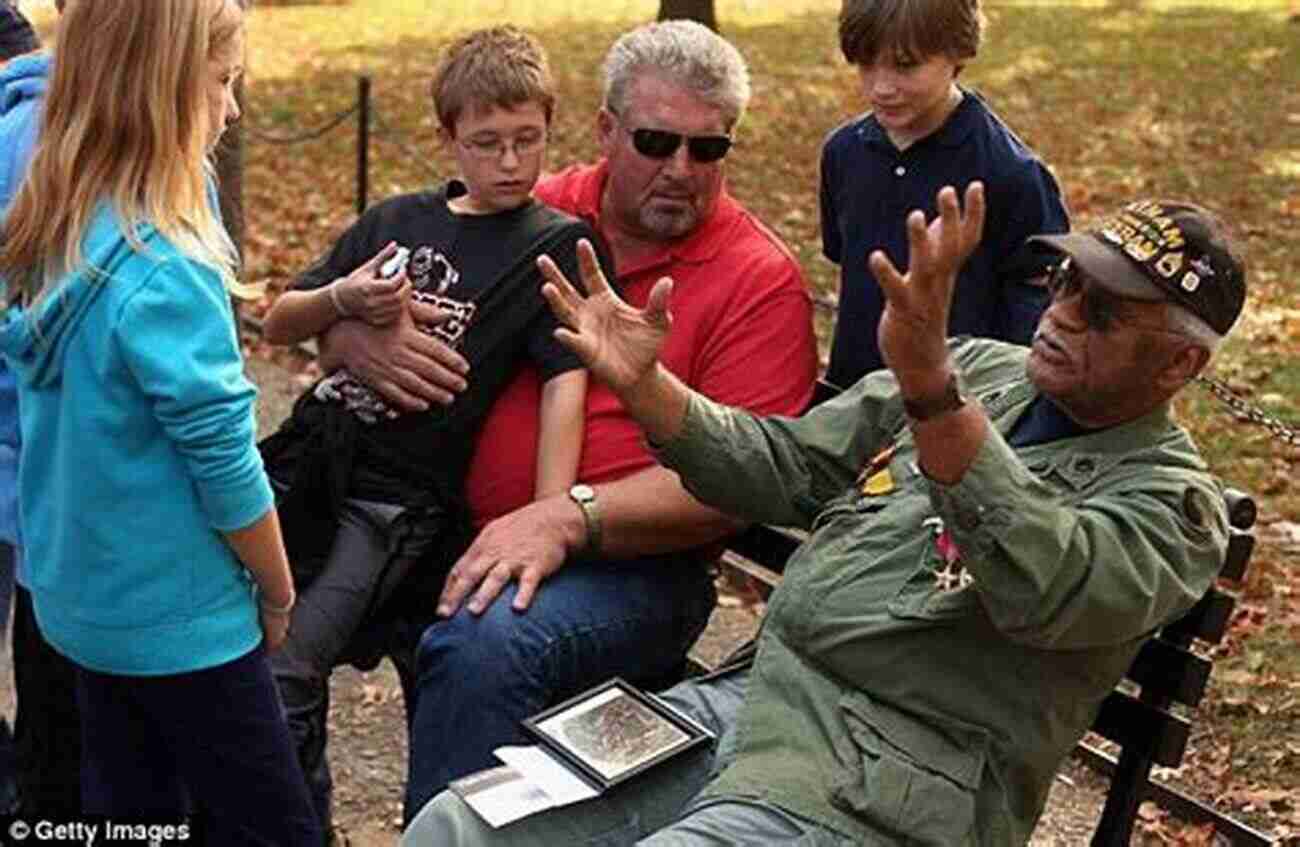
22, 79
22, 86
34, 339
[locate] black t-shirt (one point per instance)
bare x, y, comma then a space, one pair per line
483, 269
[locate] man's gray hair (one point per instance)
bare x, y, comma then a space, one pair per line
686, 53
1184, 322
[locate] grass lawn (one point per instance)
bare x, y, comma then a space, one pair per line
1121, 97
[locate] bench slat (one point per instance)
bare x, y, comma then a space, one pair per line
766, 578
1241, 508
1140, 726
1207, 620
1167, 670
1240, 545
772, 546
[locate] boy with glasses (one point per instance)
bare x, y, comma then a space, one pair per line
366, 491
923, 131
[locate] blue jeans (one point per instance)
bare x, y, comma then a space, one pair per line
660, 807
211, 741
479, 676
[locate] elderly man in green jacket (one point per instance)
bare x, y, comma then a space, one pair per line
994, 530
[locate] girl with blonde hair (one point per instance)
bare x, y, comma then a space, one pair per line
156, 564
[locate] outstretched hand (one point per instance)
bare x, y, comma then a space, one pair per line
914, 328
619, 343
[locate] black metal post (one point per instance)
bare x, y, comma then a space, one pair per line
363, 141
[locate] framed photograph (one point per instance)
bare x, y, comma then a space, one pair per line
614, 731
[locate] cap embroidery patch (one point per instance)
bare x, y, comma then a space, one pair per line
1201, 264
1143, 232
1169, 265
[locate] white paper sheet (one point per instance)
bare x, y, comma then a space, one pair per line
530, 782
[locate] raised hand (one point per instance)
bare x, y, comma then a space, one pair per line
914, 328
619, 343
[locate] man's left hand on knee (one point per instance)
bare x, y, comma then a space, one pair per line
524, 546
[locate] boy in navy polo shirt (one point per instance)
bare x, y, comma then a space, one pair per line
923, 131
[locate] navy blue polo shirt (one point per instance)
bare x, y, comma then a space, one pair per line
867, 188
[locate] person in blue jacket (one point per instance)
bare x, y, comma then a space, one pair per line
47, 727
161, 571
18, 88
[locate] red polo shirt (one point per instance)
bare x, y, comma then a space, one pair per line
742, 334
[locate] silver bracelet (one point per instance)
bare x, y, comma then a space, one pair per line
337, 300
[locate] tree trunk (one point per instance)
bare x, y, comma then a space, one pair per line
695, 10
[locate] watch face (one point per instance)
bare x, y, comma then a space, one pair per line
582, 492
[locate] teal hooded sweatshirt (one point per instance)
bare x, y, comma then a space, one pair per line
138, 452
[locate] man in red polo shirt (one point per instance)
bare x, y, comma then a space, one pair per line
627, 586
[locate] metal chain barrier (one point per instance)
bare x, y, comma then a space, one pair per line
387, 132
1246, 412
306, 135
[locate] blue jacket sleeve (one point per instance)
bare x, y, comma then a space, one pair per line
178, 339
831, 246
1035, 207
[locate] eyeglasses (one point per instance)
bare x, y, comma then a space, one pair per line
1102, 310
494, 148
659, 144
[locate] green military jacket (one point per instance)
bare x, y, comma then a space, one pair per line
935, 651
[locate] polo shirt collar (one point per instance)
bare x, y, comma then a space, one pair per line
952, 133
702, 245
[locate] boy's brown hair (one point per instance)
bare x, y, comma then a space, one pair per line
915, 29
500, 66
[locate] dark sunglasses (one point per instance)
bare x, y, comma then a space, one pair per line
1102, 310
658, 144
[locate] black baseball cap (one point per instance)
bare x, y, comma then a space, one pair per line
16, 34
1161, 250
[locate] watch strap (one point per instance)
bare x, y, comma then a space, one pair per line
948, 400
585, 497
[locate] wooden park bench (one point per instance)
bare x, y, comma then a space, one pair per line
1143, 716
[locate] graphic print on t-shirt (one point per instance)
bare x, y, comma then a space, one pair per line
431, 274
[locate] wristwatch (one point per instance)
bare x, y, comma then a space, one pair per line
924, 408
585, 497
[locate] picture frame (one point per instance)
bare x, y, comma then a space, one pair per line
614, 731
